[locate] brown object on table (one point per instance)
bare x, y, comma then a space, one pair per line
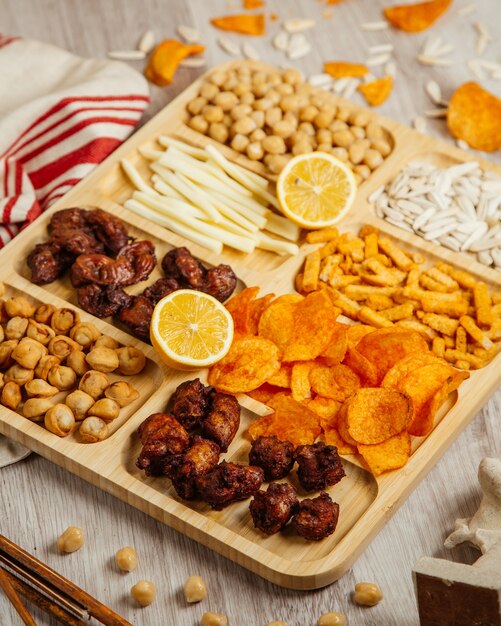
50, 591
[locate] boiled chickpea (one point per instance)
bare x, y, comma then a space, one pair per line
2, 382
144, 592
275, 79
226, 99
290, 103
343, 114
292, 77
274, 145
258, 117
259, 77
11, 395
80, 403
319, 100
359, 133
244, 126
277, 162
126, 559
372, 158
362, 170
218, 132
338, 125
19, 306
332, 619
367, 594
357, 151
257, 135
324, 147
242, 88
273, 96
208, 91
213, 619
239, 143
359, 118
302, 147
358, 179
272, 116
342, 138
340, 153
212, 113
196, 105
283, 129
254, 151
76, 360
230, 83
308, 128
308, 113
35, 408
195, 589
39, 332
227, 120
262, 104
324, 135
103, 359
240, 110
381, 146
93, 429
105, 408
261, 89
59, 420
198, 123
323, 119
247, 98
71, 540
218, 77
374, 131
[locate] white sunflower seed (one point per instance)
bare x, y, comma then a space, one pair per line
435, 113
378, 60
485, 258
375, 194
434, 92
485, 244
298, 25
419, 124
350, 88
390, 68
298, 47
127, 55
479, 231
147, 42
380, 48
461, 143
382, 25
228, 45
467, 9
281, 41
193, 62
250, 52
475, 68
320, 80
189, 34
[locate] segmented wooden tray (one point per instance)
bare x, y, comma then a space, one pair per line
366, 502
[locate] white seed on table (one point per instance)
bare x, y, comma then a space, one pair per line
350, 88
340, 84
189, 34
479, 231
281, 41
298, 47
466, 227
320, 80
250, 52
375, 194
485, 258
434, 91
193, 62
391, 68
424, 60
379, 48
423, 218
419, 124
382, 25
475, 69
127, 55
485, 244
369, 77
445, 49
298, 25
431, 45
228, 45
377, 60
467, 9
439, 232
147, 42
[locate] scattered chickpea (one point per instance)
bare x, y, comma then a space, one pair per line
195, 589
254, 151
367, 594
199, 124
262, 104
373, 158
218, 132
213, 113
213, 619
226, 100
332, 619
71, 540
144, 592
197, 105
257, 135
289, 103
239, 143
126, 559
274, 145
244, 126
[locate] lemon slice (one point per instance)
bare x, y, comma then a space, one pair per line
190, 329
316, 190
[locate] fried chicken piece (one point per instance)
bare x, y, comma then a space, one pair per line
179, 263
108, 229
102, 301
316, 518
137, 317
162, 437
141, 255
73, 218
223, 419
273, 508
69, 230
47, 262
184, 469
100, 269
319, 466
190, 403
229, 482
161, 288
220, 282
274, 456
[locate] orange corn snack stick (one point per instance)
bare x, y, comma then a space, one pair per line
474, 115
253, 4
341, 69
166, 58
377, 91
414, 18
243, 23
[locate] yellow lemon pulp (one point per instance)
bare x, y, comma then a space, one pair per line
316, 190
190, 329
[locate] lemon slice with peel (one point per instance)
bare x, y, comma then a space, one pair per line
190, 329
316, 190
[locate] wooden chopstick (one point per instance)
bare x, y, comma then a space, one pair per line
56, 585
11, 593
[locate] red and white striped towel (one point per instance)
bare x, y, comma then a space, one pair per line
60, 115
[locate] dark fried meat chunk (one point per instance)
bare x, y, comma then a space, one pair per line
102, 301
179, 263
74, 218
76, 241
223, 419
229, 482
118, 297
273, 508
100, 269
108, 229
190, 403
141, 256
162, 437
316, 518
161, 288
220, 282
319, 466
137, 317
274, 456
184, 469
47, 262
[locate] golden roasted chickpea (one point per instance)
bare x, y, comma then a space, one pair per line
372, 158
323, 119
213, 113
247, 98
357, 151
324, 135
274, 145
130, 360
84, 333
257, 135
62, 377
381, 146
218, 77
226, 99
16, 328
63, 320
283, 129
103, 359
244, 126
307, 128
302, 147
284, 89
242, 88
11, 395
79, 403
262, 104
358, 133
62, 346
374, 131
18, 374
292, 76
340, 153
40, 388
105, 408
363, 171
122, 392
258, 117
94, 383
198, 123
45, 364
208, 91
219, 132
308, 113
342, 138
367, 594
359, 118
239, 111
144, 592
195, 589
28, 353
274, 97
106, 342
60, 420
19, 306
338, 125
332, 619
290, 103
239, 143
126, 559
93, 429
213, 619
71, 540
277, 162
272, 116
254, 151
39, 332
44, 312
343, 114
230, 84
196, 105
35, 408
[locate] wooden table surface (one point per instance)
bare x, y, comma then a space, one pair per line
38, 500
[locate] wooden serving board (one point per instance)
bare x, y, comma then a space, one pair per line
366, 503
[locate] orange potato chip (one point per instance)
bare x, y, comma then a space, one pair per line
243, 23
240, 307
282, 378
300, 380
276, 321
377, 91
333, 438
408, 364
362, 367
338, 343
414, 18
250, 362
260, 426
312, 322
337, 382
474, 115
257, 308
387, 455
355, 333
385, 346
372, 415
264, 393
327, 409
341, 69
166, 58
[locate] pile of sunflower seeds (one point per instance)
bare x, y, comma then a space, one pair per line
458, 207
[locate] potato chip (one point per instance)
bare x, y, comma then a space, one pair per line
260, 426
250, 362
408, 364
362, 367
474, 115
341, 69
385, 346
414, 18
337, 382
355, 333
240, 308
377, 91
334, 353
276, 322
257, 308
282, 378
244, 24
387, 455
327, 409
332, 438
372, 415
300, 380
165, 59
264, 393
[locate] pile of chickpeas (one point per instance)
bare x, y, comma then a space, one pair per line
54, 369
271, 116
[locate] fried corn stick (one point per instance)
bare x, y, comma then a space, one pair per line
322, 235
441, 323
396, 254
461, 342
456, 355
399, 312
482, 302
468, 323
371, 245
438, 347
311, 271
368, 316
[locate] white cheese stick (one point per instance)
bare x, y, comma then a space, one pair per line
252, 214
135, 177
175, 208
169, 142
151, 154
276, 245
282, 226
165, 189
